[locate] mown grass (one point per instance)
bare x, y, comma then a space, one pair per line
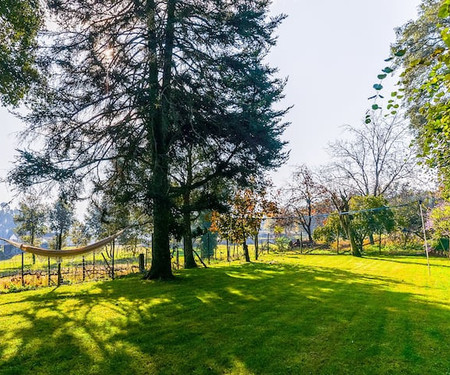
288, 314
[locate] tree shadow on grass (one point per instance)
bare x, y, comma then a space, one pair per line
255, 319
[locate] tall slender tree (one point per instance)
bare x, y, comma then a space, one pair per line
376, 159
61, 219
30, 220
340, 194
305, 199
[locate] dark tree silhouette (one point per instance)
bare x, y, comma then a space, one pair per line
132, 82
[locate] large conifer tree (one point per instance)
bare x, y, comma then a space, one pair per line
130, 82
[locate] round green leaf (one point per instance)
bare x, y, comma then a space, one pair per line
377, 86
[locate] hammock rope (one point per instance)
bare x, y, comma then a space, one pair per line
63, 253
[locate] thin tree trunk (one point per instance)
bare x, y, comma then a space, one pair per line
246, 253
59, 247
310, 239
371, 239
256, 246
337, 243
379, 244
189, 261
32, 244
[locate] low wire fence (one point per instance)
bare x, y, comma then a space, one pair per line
25, 270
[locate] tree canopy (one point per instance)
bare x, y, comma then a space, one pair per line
31, 218
131, 83
376, 159
20, 21
425, 81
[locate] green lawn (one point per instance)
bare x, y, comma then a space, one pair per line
286, 315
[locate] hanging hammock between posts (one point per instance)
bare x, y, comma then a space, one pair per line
63, 253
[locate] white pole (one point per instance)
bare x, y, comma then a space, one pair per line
424, 236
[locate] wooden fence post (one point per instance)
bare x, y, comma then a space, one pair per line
23, 280
301, 242
146, 256
112, 259
209, 254
49, 274
84, 269
93, 265
59, 272
141, 263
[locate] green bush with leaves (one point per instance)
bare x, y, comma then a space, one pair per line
439, 222
370, 215
282, 243
425, 82
329, 231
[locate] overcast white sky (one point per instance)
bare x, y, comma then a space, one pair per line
331, 51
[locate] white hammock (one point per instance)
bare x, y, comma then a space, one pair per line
63, 253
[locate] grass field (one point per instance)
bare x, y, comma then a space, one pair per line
288, 314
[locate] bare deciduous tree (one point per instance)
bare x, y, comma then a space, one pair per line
333, 182
304, 195
377, 158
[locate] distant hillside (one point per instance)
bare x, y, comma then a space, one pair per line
7, 220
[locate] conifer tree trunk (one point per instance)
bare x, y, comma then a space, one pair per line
160, 267
159, 122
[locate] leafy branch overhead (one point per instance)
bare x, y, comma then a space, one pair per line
392, 106
20, 21
421, 55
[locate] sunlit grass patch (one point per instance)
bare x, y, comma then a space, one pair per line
287, 314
